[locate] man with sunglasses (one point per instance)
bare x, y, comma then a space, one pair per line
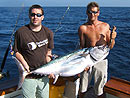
33, 45
95, 33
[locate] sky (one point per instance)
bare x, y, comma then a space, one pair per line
56, 3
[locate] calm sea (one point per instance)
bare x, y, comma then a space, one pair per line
66, 38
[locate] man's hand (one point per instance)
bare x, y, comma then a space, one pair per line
48, 58
27, 69
112, 38
114, 33
51, 76
87, 69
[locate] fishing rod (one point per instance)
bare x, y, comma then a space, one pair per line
58, 27
54, 56
8, 48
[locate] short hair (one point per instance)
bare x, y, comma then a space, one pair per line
37, 7
91, 5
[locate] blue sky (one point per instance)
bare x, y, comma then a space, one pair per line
108, 3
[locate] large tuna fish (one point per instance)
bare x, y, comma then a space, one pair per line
68, 65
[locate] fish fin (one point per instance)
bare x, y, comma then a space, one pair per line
56, 78
21, 79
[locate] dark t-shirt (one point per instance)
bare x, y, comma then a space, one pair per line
33, 45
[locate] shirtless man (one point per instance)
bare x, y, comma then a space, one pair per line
95, 33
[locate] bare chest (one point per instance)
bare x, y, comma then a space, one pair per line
95, 37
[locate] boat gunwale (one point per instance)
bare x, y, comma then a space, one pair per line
116, 90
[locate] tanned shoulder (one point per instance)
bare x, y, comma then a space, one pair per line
82, 28
105, 25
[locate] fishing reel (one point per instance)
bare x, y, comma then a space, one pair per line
2, 75
54, 56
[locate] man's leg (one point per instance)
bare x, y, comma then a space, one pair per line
43, 87
29, 88
72, 87
102, 96
100, 77
85, 79
70, 90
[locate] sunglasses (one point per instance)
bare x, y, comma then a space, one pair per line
38, 15
92, 12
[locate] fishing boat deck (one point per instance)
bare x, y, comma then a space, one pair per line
115, 87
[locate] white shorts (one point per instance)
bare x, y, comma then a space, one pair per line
99, 72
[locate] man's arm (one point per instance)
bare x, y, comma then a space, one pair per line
82, 41
22, 60
49, 55
48, 58
81, 37
112, 36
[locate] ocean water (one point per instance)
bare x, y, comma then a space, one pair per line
66, 38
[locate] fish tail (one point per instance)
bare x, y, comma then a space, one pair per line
22, 72
21, 79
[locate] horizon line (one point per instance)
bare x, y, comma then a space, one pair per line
66, 6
